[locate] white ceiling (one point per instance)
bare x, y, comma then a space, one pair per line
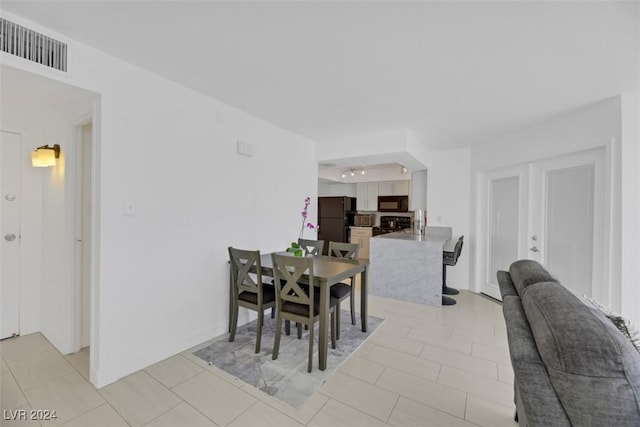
456, 73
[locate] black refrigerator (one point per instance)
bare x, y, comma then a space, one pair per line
335, 215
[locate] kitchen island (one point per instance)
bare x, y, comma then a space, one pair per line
408, 266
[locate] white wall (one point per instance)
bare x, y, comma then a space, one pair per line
391, 146
590, 127
370, 144
161, 278
586, 128
630, 221
448, 205
630, 193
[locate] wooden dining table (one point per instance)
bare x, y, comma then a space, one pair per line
327, 271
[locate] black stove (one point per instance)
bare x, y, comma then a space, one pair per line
391, 224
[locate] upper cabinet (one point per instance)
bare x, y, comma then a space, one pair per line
392, 188
330, 190
367, 194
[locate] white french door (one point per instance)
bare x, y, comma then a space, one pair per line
503, 229
566, 229
551, 211
9, 234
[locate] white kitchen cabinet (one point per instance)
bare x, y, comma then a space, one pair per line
401, 188
393, 188
331, 190
362, 235
367, 194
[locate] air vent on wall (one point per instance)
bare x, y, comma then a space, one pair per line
28, 44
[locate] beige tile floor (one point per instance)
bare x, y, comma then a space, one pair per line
425, 366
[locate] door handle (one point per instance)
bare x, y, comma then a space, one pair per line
10, 237
534, 249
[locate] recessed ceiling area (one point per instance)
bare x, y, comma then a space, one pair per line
363, 173
456, 74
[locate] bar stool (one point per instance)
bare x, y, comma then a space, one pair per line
450, 259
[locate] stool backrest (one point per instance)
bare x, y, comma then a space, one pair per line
458, 249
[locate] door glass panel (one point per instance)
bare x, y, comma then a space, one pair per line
503, 236
569, 226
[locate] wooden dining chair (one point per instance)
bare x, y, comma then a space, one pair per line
311, 247
342, 291
298, 303
248, 292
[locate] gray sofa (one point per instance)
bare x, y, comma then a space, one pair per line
572, 366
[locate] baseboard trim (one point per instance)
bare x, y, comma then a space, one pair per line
489, 297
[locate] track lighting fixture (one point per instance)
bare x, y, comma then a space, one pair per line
352, 172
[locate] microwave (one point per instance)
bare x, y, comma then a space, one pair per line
393, 203
363, 220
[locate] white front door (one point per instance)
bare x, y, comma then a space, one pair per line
551, 211
10, 234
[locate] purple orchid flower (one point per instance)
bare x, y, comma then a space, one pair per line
305, 214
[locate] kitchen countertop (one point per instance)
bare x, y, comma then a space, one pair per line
432, 234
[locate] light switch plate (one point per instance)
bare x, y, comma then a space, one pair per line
244, 148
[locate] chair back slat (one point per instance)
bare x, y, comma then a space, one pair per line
241, 263
311, 247
288, 271
344, 250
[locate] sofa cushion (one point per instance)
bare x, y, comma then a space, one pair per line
594, 370
527, 272
628, 329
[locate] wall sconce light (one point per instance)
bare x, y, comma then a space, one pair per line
352, 172
45, 156
403, 169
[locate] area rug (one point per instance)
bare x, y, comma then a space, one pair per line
285, 378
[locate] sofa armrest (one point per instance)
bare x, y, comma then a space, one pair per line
506, 284
538, 403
